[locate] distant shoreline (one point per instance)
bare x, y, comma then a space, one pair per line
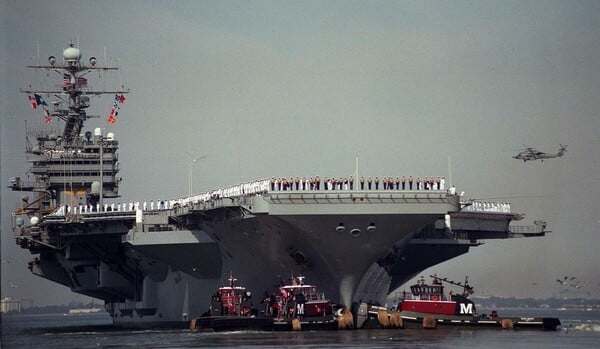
66, 314
482, 303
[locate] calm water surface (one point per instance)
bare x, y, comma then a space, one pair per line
581, 329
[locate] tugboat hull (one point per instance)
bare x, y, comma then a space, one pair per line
231, 323
323, 323
432, 321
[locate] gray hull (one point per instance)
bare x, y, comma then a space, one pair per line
267, 245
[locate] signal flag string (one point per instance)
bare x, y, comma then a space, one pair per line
37, 100
119, 99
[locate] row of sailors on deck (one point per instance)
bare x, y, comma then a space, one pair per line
475, 206
116, 207
245, 189
478, 206
261, 187
369, 183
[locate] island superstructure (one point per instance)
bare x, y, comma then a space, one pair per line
156, 263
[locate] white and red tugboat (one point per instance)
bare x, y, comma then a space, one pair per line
427, 306
231, 309
300, 306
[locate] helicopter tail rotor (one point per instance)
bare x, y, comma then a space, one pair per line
563, 150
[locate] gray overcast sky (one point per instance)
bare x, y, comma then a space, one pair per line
280, 88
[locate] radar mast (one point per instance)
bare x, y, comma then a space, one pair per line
70, 169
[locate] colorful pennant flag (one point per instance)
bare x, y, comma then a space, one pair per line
115, 108
39, 100
33, 102
47, 117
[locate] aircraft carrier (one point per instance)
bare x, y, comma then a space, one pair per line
157, 263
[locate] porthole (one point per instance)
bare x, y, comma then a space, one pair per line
355, 232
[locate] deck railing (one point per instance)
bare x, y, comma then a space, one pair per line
259, 187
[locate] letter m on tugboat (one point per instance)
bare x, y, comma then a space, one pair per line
466, 308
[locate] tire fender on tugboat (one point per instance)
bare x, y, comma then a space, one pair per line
296, 325
507, 324
429, 322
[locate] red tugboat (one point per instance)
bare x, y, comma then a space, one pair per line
231, 300
428, 307
230, 310
299, 306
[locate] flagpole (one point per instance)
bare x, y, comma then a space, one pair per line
101, 173
356, 174
190, 185
449, 171
190, 163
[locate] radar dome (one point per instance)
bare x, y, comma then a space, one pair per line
34, 220
72, 54
110, 136
97, 131
96, 187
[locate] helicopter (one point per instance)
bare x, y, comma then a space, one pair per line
530, 153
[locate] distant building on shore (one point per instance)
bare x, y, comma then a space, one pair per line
8, 305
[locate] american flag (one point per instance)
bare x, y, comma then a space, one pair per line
66, 79
82, 82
